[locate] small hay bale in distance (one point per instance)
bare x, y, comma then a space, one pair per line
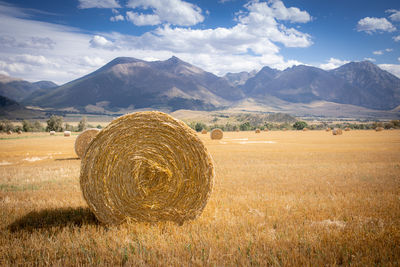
67, 133
266, 130
216, 134
19, 132
347, 129
204, 131
52, 132
328, 129
337, 131
9, 132
379, 129
284, 129
146, 167
83, 140
305, 129
258, 130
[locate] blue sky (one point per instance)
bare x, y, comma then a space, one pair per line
63, 40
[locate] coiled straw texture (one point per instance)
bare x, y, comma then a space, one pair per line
216, 134
83, 140
146, 166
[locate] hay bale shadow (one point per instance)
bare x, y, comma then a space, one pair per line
54, 218
67, 159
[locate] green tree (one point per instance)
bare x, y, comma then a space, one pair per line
300, 125
27, 126
245, 126
37, 127
6, 126
82, 124
199, 126
54, 123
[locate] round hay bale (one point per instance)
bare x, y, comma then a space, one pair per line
328, 129
9, 132
378, 129
83, 140
305, 129
258, 130
337, 131
347, 129
52, 132
204, 131
19, 132
146, 166
67, 133
216, 134
237, 130
284, 129
266, 130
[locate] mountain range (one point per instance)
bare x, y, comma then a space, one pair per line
129, 83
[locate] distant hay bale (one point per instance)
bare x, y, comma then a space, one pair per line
146, 166
337, 131
52, 132
19, 132
9, 132
83, 140
258, 130
204, 131
305, 129
379, 129
284, 129
328, 129
347, 129
266, 130
67, 133
237, 130
216, 134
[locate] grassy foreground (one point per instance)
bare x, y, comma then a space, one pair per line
280, 198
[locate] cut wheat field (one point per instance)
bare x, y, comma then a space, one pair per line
288, 198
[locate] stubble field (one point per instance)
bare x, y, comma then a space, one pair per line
280, 198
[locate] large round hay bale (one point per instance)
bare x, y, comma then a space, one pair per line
378, 129
258, 130
204, 131
216, 134
67, 133
146, 166
9, 132
83, 140
337, 131
52, 132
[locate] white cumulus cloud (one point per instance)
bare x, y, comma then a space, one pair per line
117, 18
370, 59
395, 14
98, 4
396, 38
333, 63
100, 42
378, 52
175, 12
143, 19
371, 25
392, 68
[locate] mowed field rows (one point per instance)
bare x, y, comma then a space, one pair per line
280, 198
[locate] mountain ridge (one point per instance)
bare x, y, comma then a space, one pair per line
127, 83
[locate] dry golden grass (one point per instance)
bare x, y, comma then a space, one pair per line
305, 200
